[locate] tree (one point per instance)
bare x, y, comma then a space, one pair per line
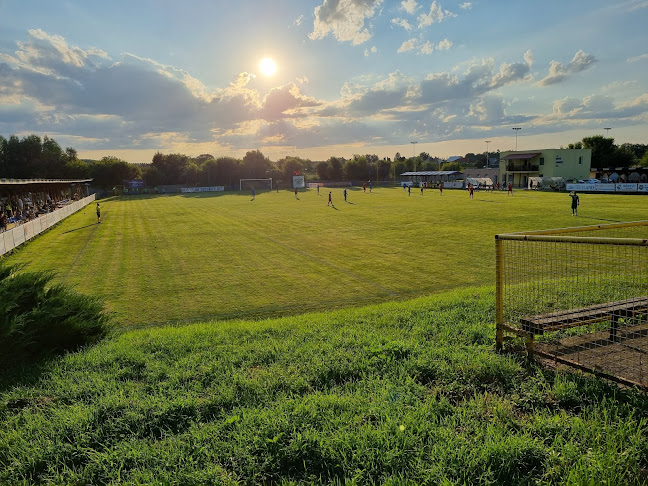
336, 168
644, 160
255, 164
323, 170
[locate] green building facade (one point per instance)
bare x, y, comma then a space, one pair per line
516, 167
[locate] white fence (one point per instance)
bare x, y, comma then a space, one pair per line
14, 237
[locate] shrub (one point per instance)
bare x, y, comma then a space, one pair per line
40, 319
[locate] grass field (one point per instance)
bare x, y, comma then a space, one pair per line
407, 392
400, 393
182, 257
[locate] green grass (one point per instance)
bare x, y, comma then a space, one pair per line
405, 392
400, 393
176, 258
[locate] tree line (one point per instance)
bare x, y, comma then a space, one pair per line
31, 157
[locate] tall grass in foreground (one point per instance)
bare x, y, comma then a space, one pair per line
403, 392
40, 319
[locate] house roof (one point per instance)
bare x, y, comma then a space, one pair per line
529, 155
18, 182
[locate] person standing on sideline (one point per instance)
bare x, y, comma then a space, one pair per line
98, 213
441, 189
253, 193
575, 203
345, 195
330, 201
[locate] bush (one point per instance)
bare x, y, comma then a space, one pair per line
40, 319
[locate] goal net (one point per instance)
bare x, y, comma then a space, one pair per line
257, 184
578, 296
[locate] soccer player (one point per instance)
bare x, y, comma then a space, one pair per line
575, 203
370, 186
509, 187
296, 193
318, 189
409, 190
471, 190
253, 193
441, 189
330, 201
364, 187
98, 214
345, 195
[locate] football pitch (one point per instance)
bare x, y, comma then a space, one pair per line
163, 259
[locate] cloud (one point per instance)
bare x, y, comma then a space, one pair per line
436, 15
558, 72
466, 6
642, 57
402, 23
513, 72
373, 50
345, 19
279, 101
298, 21
409, 6
424, 48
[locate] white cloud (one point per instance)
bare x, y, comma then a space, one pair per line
408, 45
402, 23
558, 72
642, 57
424, 48
409, 6
345, 19
298, 21
465, 6
436, 15
368, 52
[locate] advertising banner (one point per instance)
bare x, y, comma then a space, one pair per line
203, 189
299, 182
626, 187
642, 187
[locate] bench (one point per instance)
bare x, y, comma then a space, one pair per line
565, 319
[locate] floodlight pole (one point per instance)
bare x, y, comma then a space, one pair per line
517, 129
487, 142
413, 154
607, 131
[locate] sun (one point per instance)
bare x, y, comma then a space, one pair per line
267, 66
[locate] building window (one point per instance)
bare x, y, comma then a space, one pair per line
580, 160
541, 160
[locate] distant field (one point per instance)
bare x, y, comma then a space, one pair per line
185, 257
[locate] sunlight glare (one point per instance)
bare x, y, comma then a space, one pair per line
267, 66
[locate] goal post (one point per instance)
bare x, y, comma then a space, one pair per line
255, 183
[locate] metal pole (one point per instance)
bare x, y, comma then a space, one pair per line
487, 142
414, 154
517, 129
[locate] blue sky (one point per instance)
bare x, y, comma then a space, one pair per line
132, 77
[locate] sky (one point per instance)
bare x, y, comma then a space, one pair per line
129, 78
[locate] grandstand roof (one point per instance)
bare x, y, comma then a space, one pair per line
20, 182
431, 173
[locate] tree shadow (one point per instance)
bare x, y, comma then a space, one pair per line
80, 228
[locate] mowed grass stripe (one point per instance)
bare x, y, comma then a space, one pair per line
157, 259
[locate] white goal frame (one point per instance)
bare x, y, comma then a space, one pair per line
241, 181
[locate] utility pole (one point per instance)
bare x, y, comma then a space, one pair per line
517, 129
414, 154
487, 142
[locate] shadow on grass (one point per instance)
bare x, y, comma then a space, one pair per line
80, 228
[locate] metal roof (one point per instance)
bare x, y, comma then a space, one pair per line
521, 156
18, 182
431, 173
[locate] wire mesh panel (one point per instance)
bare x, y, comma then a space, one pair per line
579, 296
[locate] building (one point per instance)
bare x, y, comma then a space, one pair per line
430, 176
569, 164
483, 173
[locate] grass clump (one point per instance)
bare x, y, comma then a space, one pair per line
39, 319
